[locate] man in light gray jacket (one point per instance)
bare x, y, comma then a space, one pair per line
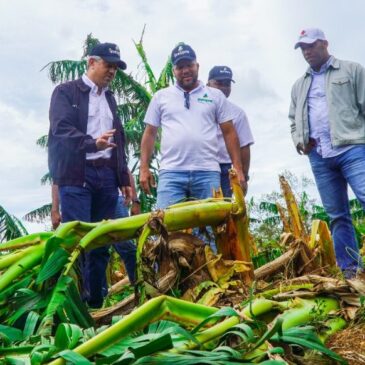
327, 115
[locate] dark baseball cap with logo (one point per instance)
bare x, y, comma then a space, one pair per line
220, 73
182, 52
109, 52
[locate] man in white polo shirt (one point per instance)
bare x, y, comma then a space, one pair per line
188, 114
220, 77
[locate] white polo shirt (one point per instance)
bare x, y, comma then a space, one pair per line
243, 130
100, 118
189, 138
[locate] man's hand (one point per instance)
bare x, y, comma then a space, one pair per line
242, 181
102, 143
127, 194
55, 218
146, 180
308, 147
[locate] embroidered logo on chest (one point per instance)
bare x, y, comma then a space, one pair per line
205, 99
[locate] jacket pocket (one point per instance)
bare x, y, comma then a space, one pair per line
343, 98
341, 81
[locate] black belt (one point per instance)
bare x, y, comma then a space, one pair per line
100, 162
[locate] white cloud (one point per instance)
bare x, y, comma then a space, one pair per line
22, 162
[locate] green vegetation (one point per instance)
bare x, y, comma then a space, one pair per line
45, 321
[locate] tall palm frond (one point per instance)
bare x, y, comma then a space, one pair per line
151, 80
10, 226
89, 44
46, 179
40, 214
65, 70
42, 141
127, 89
166, 76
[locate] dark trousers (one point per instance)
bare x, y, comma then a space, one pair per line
126, 249
94, 201
225, 185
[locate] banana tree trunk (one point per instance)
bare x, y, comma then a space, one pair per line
296, 223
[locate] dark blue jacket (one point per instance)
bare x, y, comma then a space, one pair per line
68, 142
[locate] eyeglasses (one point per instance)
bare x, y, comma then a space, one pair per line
187, 100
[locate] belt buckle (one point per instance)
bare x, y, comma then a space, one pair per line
93, 162
99, 162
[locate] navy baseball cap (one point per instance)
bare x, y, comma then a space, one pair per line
182, 52
220, 73
109, 52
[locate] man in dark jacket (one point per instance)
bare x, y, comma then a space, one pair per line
86, 155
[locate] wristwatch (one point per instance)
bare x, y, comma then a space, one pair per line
247, 177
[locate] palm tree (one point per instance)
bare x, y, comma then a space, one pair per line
10, 226
133, 96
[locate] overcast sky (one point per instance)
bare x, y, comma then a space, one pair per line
255, 38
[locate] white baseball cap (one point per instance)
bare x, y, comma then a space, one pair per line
309, 36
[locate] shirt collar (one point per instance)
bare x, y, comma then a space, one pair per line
92, 85
323, 68
331, 62
200, 86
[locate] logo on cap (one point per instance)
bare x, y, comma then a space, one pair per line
109, 52
225, 71
115, 51
182, 51
309, 36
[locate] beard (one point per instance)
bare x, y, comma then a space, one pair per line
190, 83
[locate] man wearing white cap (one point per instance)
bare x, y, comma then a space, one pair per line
327, 115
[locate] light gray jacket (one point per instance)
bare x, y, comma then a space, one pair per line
345, 92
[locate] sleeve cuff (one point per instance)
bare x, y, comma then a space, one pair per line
125, 179
90, 145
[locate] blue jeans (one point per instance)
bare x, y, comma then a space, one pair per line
126, 249
175, 186
332, 177
92, 202
225, 184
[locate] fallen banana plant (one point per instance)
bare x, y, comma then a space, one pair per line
45, 321
304, 252
39, 268
237, 337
